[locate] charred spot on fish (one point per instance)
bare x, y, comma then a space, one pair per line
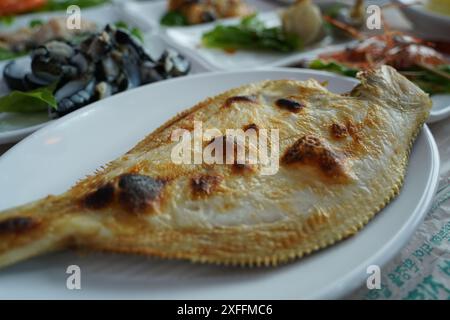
101, 197
204, 185
338, 131
310, 150
138, 192
251, 126
289, 104
16, 225
245, 99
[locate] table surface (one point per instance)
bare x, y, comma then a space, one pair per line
422, 269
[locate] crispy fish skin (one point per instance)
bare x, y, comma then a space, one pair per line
342, 159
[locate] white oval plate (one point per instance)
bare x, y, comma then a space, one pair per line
55, 157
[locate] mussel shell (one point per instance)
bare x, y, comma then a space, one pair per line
73, 95
15, 71
46, 68
107, 69
70, 88
80, 62
33, 82
49, 61
98, 47
59, 50
175, 64
150, 73
131, 68
125, 38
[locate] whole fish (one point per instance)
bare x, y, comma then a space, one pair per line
341, 159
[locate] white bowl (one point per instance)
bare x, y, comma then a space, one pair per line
426, 23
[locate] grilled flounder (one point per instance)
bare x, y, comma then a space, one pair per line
342, 159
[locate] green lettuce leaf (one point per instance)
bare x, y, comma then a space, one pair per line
173, 18
333, 67
251, 34
30, 101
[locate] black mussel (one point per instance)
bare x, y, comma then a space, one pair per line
56, 50
93, 69
70, 88
122, 82
125, 38
73, 95
99, 46
52, 61
46, 69
15, 71
131, 67
33, 82
175, 64
107, 69
150, 73
80, 62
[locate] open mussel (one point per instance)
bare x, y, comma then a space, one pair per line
73, 95
171, 64
19, 76
15, 71
52, 61
175, 65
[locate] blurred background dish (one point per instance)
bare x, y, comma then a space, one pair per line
430, 18
21, 34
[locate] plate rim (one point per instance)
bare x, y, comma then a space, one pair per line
439, 115
353, 279
16, 135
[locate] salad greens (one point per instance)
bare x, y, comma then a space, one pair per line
35, 23
333, 67
7, 20
174, 18
26, 102
251, 33
429, 81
